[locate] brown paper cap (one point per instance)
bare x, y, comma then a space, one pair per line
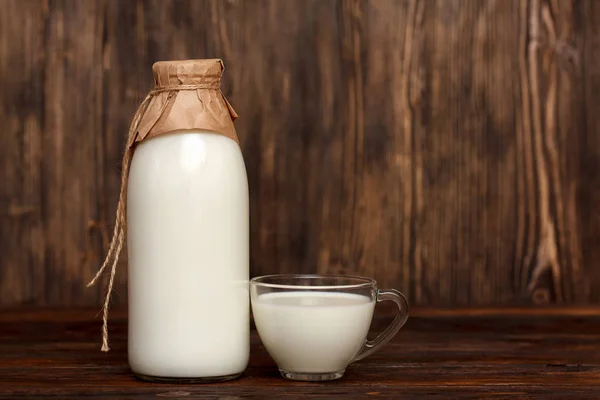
187, 95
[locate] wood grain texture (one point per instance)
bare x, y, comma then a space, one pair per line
448, 148
475, 353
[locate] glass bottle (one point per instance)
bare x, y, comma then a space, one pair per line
187, 230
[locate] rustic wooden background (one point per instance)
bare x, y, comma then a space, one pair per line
449, 148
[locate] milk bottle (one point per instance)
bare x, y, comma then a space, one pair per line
186, 218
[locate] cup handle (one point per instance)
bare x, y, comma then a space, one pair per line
372, 346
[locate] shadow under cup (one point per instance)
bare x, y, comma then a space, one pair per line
313, 326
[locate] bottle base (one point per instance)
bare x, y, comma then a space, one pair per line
312, 377
184, 380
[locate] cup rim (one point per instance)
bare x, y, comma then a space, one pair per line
363, 282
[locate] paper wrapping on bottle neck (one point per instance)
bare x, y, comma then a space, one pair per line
187, 96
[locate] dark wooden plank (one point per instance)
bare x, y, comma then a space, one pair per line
21, 151
446, 148
481, 353
588, 20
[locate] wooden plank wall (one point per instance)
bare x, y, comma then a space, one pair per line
449, 148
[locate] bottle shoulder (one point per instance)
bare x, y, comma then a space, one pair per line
189, 152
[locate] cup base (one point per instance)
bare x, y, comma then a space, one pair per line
312, 377
175, 380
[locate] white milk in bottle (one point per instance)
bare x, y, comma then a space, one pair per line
188, 257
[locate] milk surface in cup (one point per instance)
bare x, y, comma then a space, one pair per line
313, 332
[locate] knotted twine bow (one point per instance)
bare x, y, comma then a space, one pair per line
118, 238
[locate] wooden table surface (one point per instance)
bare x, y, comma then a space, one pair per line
489, 353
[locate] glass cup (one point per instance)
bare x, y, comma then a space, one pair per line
314, 326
